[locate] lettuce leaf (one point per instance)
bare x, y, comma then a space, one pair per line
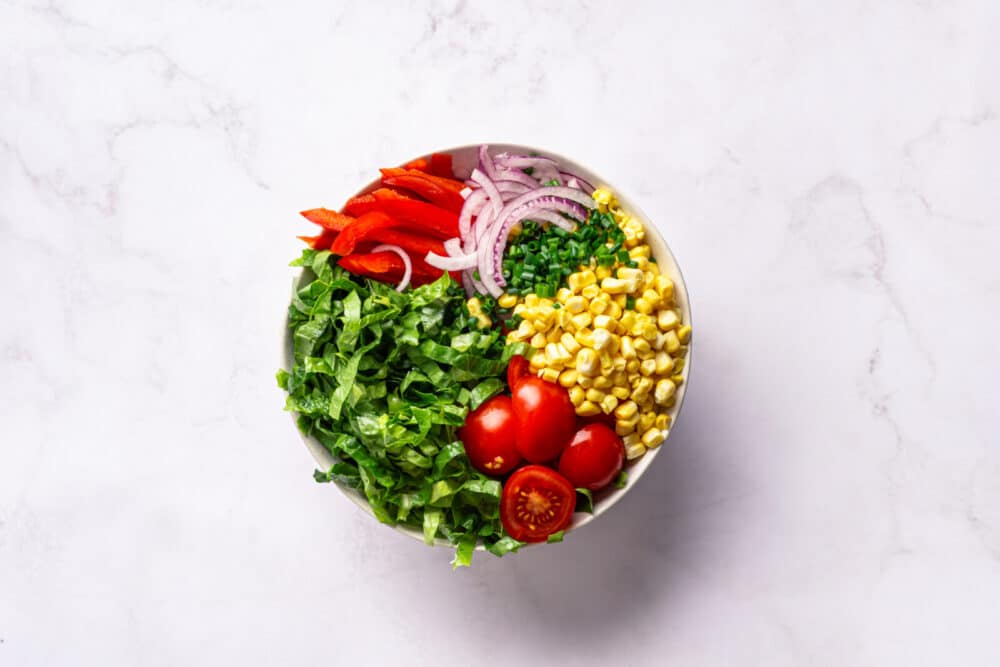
383, 379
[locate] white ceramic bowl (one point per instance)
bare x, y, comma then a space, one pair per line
465, 158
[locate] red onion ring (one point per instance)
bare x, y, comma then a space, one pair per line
407, 264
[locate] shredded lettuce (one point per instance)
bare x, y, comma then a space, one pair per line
384, 379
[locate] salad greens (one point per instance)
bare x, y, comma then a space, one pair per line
384, 379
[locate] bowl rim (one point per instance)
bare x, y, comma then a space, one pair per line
606, 498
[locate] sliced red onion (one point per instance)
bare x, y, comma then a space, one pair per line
541, 215
465, 192
453, 262
496, 201
583, 183
486, 162
510, 187
545, 168
517, 176
470, 208
453, 246
407, 264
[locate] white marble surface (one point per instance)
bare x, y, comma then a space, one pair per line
827, 174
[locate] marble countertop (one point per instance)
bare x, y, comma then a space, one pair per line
827, 177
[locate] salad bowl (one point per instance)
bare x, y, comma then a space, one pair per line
464, 161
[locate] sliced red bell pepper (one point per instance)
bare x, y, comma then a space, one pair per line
420, 164
416, 245
420, 217
362, 228
388, 267
328, 219
351, 207
321, 242
441, 191
441, 165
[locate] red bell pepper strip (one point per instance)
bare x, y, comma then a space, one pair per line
441, 165
420, 217
416, 245
361, 229
327, 219
321, 242
420, 164
387, 267
382, 194
441, 191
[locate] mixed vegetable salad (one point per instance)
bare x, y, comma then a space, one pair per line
482, 355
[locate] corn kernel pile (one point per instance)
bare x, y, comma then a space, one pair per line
613, 337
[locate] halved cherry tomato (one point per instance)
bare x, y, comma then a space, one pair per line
517, 369
536, 502
593, 457
545, 419
488, 436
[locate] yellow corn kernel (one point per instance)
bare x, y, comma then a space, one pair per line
614, 311
627, 426
594, 394
567, 378
667, 320
609, 403
614, 286
620, 300
537, 362
677, 379
552, 336
576, 395
525, 330
684, 334
507, 301
670, 342
549, 375
628, 320
643, 306
607, 364
603, 196
669, 404
639, 251
531, 300
590, 291
602, 272
649, 331
563, 318
652, 437
602, 339
643, 385
603, 322
582, 320
678, 366
603, 382
626, 410
576, 304
641, 346
665, 287
664, 390
586, 361
475, 306
556, 354
621, 393
652, 296
484, 321
584, 381
585, 337
634, 451
648, 367
569, 342
588, 409
563, 295
662, 421
618, 363
641, 263
646, 421
629, 274
597, 306
538, 340
628, 349
664, 364
632, 366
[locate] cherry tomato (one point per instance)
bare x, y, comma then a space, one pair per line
536, 502
545, 419
517, 369
593, 457
488, 436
